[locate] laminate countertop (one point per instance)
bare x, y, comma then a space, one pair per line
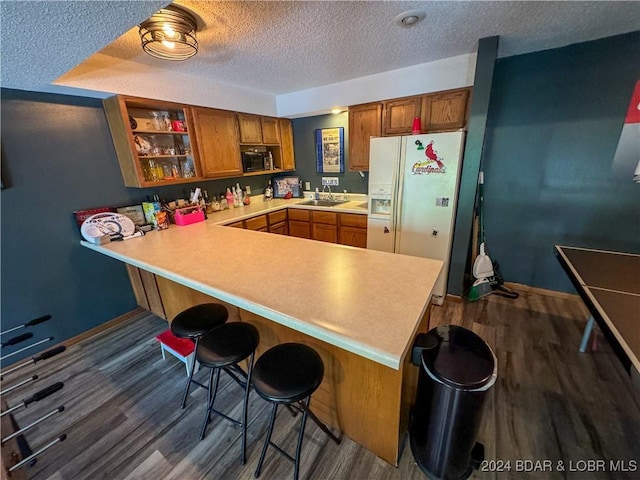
364, 301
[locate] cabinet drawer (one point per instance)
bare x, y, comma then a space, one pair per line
329, 218
296, 214
277, 217
256, 223
353, 220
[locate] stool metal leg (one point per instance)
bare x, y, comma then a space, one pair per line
318, 422
267, 440
296, 463
186, 390
212, 391
245, 405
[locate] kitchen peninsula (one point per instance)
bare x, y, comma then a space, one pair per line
361, 310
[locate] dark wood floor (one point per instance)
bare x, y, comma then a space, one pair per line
123, 422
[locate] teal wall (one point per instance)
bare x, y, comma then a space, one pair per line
555, 118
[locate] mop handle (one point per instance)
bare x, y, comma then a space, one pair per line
36, 397
33, 322
61, 438
41, 419
18, 339
37, 358
48, 339
17, 385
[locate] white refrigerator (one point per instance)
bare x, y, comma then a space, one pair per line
413, 191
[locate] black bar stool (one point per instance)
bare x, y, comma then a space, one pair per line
222, 349
288, 374
193, 323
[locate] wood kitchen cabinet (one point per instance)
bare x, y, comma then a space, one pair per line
324, 226
250, 129
258, 223
217, 138
438, 112
270, 130
398, 115
445, 111
152, 142
299, 223
257, 130
352, 230
278, 222
287, 157
365, 121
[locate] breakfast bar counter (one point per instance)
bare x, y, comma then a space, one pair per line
361, 309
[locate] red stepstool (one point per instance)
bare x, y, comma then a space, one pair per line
181, 348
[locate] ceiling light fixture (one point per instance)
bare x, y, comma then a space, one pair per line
170, 34
336, 111
410, 18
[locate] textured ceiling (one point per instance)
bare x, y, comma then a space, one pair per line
281, 47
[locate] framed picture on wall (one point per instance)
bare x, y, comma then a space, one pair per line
330, 150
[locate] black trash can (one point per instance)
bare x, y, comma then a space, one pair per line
457, 369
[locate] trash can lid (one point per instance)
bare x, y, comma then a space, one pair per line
461, 359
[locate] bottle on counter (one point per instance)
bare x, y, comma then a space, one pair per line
268, 192
317, 195
246, 199
229, 197
224, 205
239, 203
215, 205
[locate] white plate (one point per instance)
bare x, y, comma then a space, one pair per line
106, 223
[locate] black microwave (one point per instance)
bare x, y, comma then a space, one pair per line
254, 161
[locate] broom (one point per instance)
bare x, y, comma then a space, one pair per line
482, 265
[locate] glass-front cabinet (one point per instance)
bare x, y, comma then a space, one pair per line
152, 141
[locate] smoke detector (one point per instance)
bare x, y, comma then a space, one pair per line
410, 18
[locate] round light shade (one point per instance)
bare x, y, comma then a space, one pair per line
170, 34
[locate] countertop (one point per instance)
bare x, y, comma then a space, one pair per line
365, 301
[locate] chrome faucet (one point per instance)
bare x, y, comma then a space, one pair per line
330, 197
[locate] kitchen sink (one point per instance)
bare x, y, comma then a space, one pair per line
323, 203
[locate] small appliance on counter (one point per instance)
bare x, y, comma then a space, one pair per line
256, 159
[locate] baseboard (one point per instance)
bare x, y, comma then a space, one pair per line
453, 298
521, 288
103, 327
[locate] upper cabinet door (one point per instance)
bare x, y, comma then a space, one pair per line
365, 121
217, 139
250, 128
270, 130
286, 144
445, 111
398, 115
